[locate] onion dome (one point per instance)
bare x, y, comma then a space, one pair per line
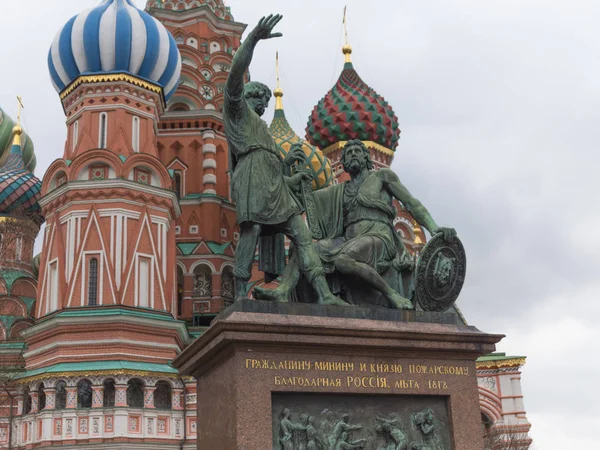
6, 140
216, 6
19, 188
352, 110
285, 137
115, 38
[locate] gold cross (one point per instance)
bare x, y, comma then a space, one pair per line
277, 66
20, 106
345, 25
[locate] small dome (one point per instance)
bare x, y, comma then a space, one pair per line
115, 37
352, 110
6, 140
285, 137
216, 6
19, 188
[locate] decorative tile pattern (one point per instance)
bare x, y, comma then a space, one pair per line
142, 176
176, 400
150, 428
34, 402
190, 399
177, 427
83, 425
98, 398
162, 425
149, 397
121, 397
193, 426
96, 426
57, 427
71, 397
98, 173
108, 424
69, 427
3, 434
133, 424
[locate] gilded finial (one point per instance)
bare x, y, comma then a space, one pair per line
278, 93
346, 49
17, 130
417, 230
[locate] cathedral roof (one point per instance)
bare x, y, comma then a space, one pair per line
352, 110
285, 137
19, 188
115, 38
216, 6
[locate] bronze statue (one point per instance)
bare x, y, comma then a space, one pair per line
360, 241
264, 201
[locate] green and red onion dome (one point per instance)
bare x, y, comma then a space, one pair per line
352, 110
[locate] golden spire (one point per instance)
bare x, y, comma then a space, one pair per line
417, 230
278, 91
346, 49
17, 130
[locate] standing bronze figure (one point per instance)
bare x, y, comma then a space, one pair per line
264, 201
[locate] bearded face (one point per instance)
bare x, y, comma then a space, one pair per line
354, 159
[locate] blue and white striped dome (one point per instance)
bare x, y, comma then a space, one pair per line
115, 37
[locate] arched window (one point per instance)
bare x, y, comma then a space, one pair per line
135, 134
75, 136
103, 130
135, 393
41, 397
60, 396
84, 394
162, 395
178, 184
202, 281
93, 283
26, 402
109, 393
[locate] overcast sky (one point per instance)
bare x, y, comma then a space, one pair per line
499, 106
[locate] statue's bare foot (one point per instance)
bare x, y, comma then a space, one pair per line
399, 302
272, 295
331, 299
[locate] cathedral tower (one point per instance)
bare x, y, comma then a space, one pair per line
191, 143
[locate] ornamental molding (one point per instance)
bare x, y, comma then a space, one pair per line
73, 377
501, 364
95, 186
112, 77
369, 144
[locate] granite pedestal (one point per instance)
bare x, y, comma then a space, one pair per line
270, 380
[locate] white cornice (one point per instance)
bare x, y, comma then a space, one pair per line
73, 186
54, 322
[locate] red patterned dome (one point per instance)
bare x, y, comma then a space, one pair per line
352, 110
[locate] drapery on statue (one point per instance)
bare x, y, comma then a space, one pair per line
264, 201
356, 220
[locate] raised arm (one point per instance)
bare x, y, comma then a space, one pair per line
397, 189
243, 57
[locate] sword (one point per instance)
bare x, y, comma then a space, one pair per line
309, 205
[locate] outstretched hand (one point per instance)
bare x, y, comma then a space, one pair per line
264, 29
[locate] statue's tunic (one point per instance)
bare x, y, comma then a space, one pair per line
258, 188
358, 223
